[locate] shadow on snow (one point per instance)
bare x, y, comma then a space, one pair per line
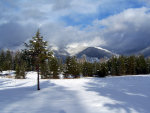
50, 99
131, 93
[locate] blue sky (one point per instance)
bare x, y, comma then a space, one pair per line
108, 8
70, 23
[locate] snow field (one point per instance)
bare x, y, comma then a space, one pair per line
128, 94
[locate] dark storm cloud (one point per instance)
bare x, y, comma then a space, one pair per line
13, 34
128, 32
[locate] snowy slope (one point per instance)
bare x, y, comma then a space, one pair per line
103, 49
95, 52
87, 95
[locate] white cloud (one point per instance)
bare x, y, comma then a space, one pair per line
74, 48
125, 31
121, 31
128, 30
47, 10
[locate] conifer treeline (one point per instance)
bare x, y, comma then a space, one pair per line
37, 57
122, 65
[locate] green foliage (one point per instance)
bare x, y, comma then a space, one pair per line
130, 65
20, 70
6, 60
103, 70
87, 69
72, 67
148, 65
114, 64
37, 49
141, 67
54, 67
20, 65
44, 71
2, 60
122, 65
37, 54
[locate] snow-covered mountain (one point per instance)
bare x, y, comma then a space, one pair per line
90, 52
97, 52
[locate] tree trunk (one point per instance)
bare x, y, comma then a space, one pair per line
38, 79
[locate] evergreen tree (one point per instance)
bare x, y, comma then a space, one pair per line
114, 66
20, 65
148, 65
87, 69
122, 65
44, 71
2, 60
103, 70
20, 70
131, 65
72, 67
26, 56
141, 66
38, 52
54, 67
61, 66
8, 60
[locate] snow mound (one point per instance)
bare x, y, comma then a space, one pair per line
31, 75
7, 73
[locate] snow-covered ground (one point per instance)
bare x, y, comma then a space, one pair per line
7, 73
130, 94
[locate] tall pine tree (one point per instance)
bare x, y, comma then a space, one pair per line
38, 52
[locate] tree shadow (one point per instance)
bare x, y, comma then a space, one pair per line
129, 96
50, 99
4, 82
